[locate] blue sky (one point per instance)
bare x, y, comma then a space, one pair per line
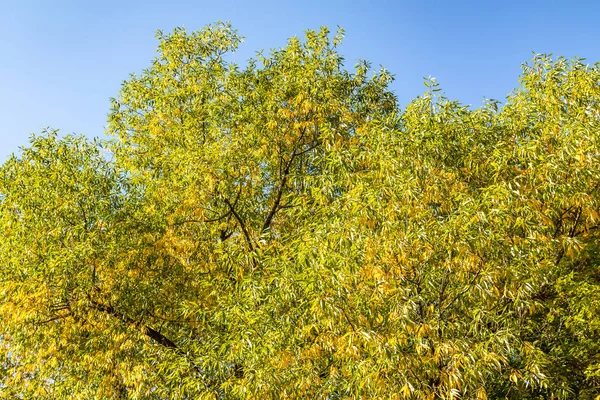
61, 61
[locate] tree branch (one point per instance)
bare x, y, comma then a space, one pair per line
146, 330
279, 195
284, 177
242, 224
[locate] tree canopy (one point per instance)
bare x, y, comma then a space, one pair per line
285, 230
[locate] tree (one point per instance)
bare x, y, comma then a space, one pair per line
284, 230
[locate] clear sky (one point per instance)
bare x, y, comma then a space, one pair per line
61, 61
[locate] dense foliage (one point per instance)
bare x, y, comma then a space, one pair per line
283, 230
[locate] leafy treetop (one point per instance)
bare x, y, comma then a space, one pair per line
284, 230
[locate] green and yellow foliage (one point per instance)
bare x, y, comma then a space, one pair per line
284, 230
